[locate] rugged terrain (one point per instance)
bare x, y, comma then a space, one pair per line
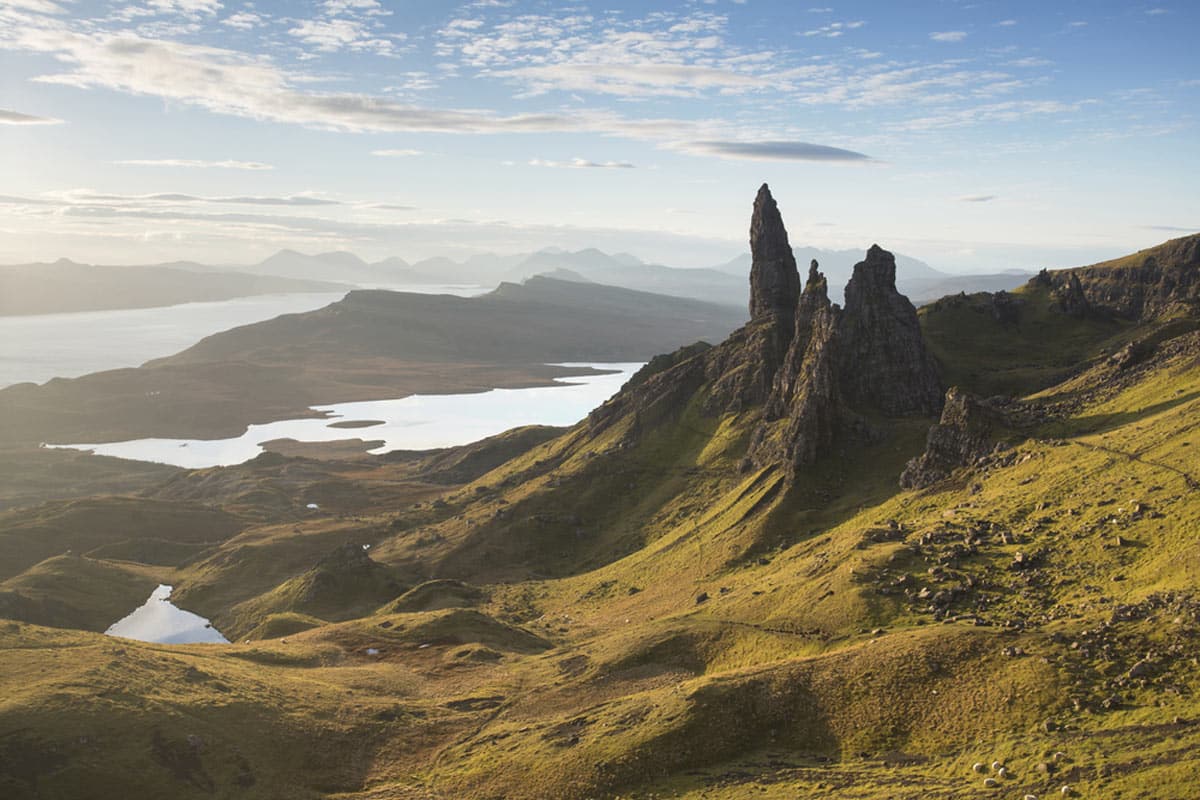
714, 587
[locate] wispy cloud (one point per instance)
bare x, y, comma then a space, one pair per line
1172, 228
396, 153
664, 54
191, 163
835, 29
977, 198
82, 196
774, 151
243, 21
1009, 111
580, 163
948, 36
349, 24
16, 118
1030, 61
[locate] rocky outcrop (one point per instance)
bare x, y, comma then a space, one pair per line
1150, 284
817, 372
1069, 296
1004, 307
742, 371
803, 413
883, 364
774, 280
962, 436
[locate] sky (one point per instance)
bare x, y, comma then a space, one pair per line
978, 136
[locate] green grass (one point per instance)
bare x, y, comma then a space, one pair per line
629, 614
989, 357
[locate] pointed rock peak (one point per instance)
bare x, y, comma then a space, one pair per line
774, 280
879, 268
885, 366
816, 280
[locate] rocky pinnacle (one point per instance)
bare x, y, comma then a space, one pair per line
884, 363
774, 281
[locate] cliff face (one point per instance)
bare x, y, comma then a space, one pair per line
804, 411
883, 362
743, 369
1147, 285
774, 281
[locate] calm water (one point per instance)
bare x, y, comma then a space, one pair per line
417, 422
159, 620
44, 346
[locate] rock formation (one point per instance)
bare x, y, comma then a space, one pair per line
774, 280
802, 414
743, 370
812, 368
883, 364
1070, 297
1151, 284
962, 436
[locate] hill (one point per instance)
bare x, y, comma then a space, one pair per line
713, 587
66, 286
370, 345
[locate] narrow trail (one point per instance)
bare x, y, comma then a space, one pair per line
1191, 482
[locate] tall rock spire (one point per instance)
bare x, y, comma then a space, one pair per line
804, 411
774, 281
884, 363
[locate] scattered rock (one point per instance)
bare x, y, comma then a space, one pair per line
1142, 669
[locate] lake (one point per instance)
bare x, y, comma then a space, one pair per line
44, 346
160, 620
416, 422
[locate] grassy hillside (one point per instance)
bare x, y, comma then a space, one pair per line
370, 346
541, 320
628, 608
651, 620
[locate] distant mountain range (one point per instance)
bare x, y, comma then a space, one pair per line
723, 283
68, 286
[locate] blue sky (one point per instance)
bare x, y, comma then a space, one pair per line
975, 135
